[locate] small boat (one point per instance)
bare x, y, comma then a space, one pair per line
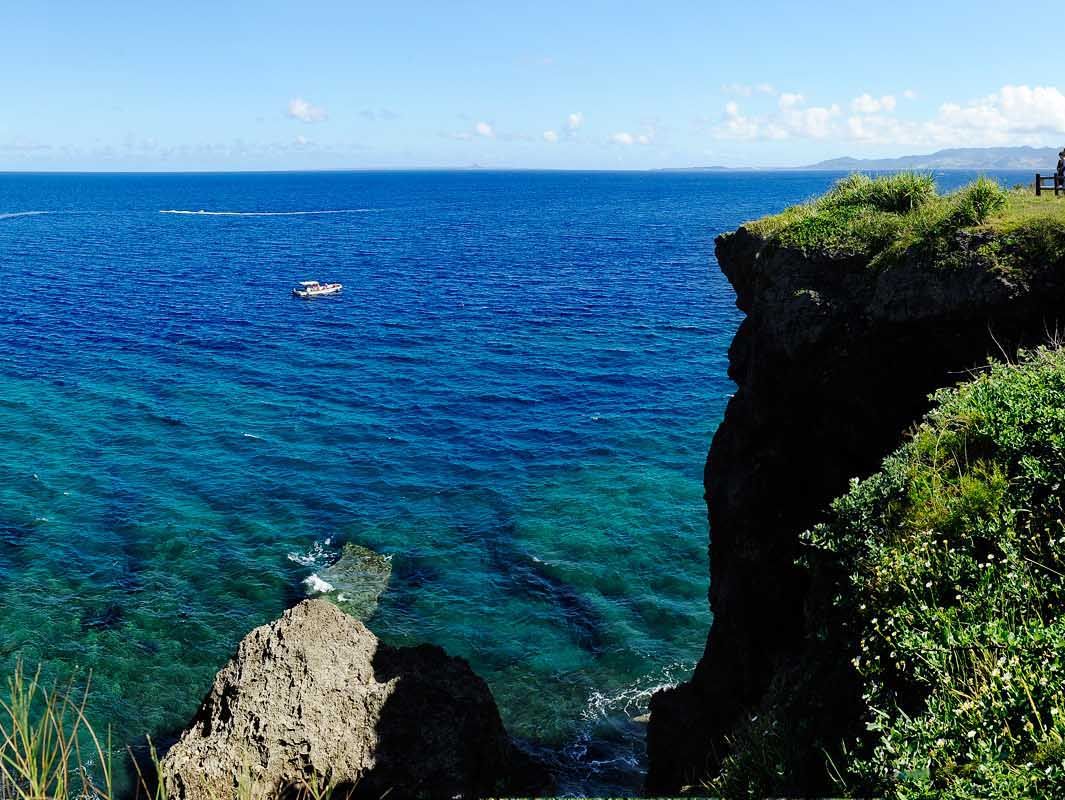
315, 289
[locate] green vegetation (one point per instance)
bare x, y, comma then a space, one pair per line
43, 738
886, 218
942, 580
50, 751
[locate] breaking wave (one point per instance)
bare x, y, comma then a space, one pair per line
319, 555
635, 699
316, 585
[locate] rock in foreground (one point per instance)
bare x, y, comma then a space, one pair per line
314, 699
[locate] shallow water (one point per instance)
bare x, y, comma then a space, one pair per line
512, 398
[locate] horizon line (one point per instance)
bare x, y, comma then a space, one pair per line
474, 169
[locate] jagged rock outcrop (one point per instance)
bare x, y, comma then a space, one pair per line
833, 362
314, 699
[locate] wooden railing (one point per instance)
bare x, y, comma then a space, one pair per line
1055, 183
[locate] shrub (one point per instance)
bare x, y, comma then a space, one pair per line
951, 594
978, 201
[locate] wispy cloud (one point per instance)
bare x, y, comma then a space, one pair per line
867, 104
747, 90
305, 111
480, 129
574, 121
627, 139
551, 136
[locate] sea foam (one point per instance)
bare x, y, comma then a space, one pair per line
317, 585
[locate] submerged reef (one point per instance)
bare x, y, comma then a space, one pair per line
859, 305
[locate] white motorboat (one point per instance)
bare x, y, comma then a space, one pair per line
316, 289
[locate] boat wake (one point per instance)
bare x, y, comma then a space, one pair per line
203, 213
21, 214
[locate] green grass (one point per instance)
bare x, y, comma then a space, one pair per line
943, 578
889, 218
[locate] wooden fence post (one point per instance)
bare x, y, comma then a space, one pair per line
1038, 184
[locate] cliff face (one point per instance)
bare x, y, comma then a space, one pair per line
834, 362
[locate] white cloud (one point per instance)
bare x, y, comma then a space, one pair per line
867, 104
1013, 115
626, 138
736, 125
304, 111
301, 141
910, 94
484, 129
574, 121
550, 136
791, 121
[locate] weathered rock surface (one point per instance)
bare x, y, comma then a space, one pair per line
833, 362
314, 698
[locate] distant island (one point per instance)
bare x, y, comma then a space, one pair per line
990, 158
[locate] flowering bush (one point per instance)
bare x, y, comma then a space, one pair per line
949, 592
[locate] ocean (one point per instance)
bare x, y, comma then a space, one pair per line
511, 399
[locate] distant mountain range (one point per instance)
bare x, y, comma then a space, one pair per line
957, 158
990, 158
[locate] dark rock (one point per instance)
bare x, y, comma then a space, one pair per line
834, 362
314, 699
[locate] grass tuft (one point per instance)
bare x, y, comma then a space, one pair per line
47, 747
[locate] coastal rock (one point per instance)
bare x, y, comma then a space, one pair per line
833, 363
314, 700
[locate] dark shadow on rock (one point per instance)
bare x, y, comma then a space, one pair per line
440, 734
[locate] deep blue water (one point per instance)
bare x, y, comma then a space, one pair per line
512, 398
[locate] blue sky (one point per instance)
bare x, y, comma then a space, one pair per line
572, 85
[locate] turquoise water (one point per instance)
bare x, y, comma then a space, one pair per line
512, 399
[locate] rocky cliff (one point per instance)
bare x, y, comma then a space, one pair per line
833, 363
314, 705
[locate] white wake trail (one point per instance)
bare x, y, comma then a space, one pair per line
21, 214
203, 213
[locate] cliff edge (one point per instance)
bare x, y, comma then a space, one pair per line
858, 306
